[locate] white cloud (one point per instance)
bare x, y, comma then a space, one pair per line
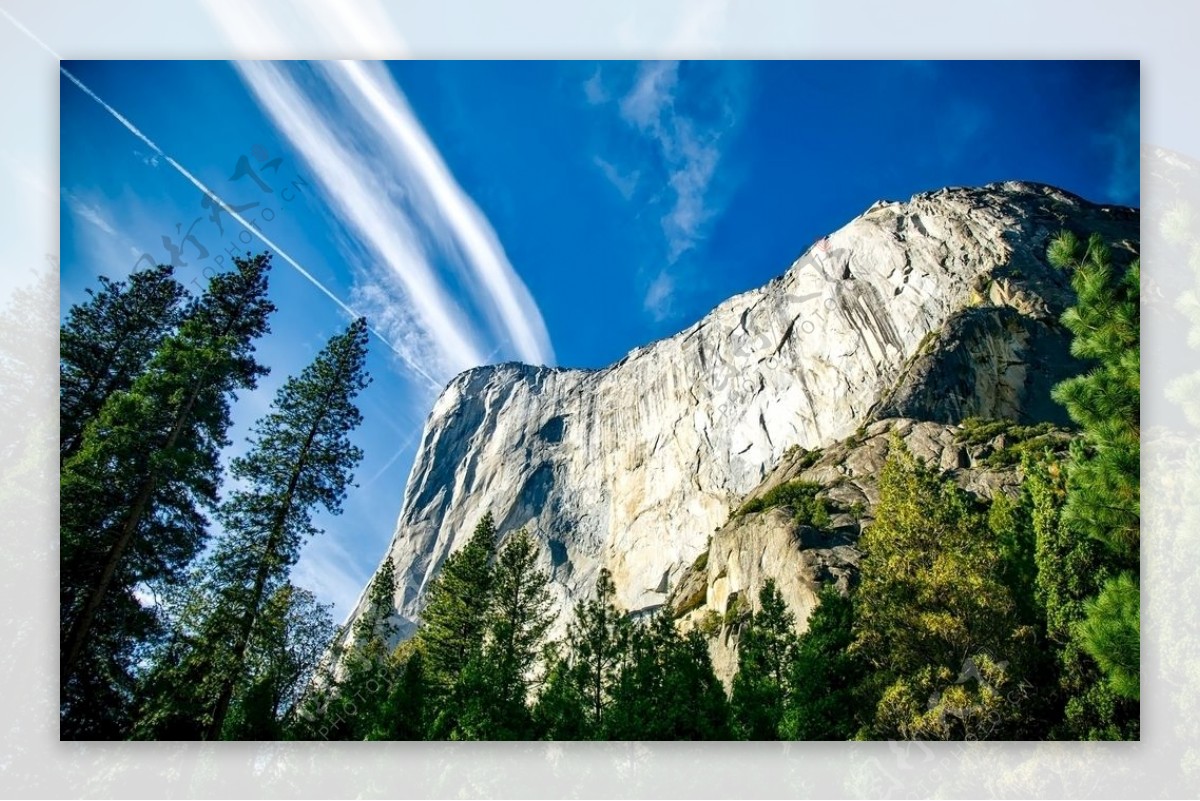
659, 299
594, 89
688, 150
326, 568
652, 95
356, 184
443, 206
625, 183
88, 212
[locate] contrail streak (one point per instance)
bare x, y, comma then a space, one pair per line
235, 215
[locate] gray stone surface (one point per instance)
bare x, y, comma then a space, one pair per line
936, 308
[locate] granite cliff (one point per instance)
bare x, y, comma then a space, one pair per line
916, 314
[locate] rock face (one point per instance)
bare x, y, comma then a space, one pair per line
719, 589
937, 308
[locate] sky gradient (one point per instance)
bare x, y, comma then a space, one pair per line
551, 212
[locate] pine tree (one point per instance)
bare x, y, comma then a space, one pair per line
1070, 570
1104, 473
107, 341
404, 711
676, 673
499, 681
300, 460
454, 621
824, 677
560, 711
368, 670
291, 638
597, 640
131, 495
765, 652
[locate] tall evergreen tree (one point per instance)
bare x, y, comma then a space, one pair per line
1104, 474
597, 640
1071, 569
765, 652
359, 695
131, 495
455, 615
292, 635
499, 682
666, 689
454, 621
824, 677
107, 341
300, 460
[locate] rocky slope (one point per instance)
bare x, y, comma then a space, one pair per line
718, 590
937, 309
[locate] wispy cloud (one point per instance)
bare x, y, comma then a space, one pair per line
387, 183
686, 139
443, 206
355, 186
88, 212
216, 199
626, 183
328, 569
1121, 148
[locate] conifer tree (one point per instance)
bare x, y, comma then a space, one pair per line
1071, 570
765, 652
107, 341
1103, 481
301, 459
499, 681
1104, 473
454, 621
666, 689
597, 640
455, 615
824, 677
291, 638
131, 495
368, 670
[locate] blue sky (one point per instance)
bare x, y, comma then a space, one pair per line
552, 212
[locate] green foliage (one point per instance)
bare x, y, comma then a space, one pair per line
1070, 570
1018, 439
823, 685
798, 496
763, 681
455, 617
1111, 633
300, 460
1103, 483
499, 681
710, 624
131, 495
597, 641
930, 605
688, 702
108, 340
1104, 477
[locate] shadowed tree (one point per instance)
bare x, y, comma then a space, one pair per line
765, 652
107, 341
301, 459
455, 619
131, 495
